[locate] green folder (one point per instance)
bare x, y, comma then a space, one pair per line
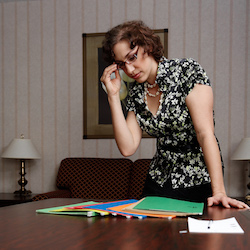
164, 204
83, 213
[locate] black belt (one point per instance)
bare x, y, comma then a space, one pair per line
192, 147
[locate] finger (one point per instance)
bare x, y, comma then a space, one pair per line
210, 202
109, 70
109, 75
239, 204
117, 75
246, 206
225, 203
213, 201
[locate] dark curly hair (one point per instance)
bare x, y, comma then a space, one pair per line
137, 33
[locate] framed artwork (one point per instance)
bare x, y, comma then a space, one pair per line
96, 112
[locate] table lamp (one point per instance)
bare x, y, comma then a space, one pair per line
242, 153
22, 149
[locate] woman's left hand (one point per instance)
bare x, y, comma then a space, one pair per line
225, 201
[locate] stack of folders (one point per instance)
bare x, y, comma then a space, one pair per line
166, 206
160, 207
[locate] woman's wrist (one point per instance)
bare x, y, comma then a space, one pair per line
219, 192
113, 99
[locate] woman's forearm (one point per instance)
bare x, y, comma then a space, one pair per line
127, 133
213, 161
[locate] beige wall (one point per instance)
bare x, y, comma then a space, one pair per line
41, 75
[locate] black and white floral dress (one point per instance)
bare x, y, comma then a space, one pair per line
179, 156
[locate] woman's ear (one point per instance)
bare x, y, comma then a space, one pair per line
147, 49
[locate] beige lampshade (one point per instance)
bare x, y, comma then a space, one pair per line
21, 149
242, 152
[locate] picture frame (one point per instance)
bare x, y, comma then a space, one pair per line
97, 124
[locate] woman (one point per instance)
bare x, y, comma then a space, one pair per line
171, 100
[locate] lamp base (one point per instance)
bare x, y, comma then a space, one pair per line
22, 192
22, 182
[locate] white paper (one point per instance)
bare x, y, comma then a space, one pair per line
214, 226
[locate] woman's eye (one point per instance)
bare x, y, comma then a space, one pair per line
131, 58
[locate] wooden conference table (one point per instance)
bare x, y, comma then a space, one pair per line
23, 228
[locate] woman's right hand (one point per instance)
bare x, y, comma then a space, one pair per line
112, 85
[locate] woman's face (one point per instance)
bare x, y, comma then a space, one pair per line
135, 63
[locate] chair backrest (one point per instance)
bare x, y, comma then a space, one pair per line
138, 177
95, 178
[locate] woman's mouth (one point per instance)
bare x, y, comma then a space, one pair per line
136, 76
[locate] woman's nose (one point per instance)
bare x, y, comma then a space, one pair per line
130, 68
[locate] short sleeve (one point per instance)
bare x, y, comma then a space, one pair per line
130, 105
134, 96
193, 74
